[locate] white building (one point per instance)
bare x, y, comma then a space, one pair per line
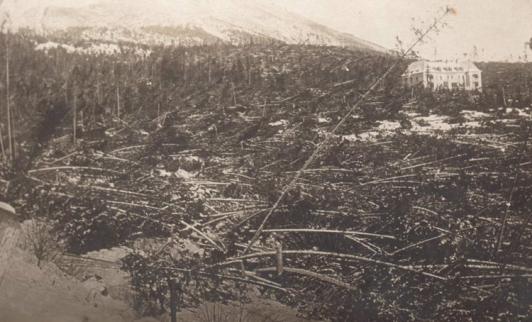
443, 75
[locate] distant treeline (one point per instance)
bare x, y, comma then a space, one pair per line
507, 84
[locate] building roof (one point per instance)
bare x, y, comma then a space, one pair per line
441, 66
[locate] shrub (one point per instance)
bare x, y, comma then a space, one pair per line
39, 241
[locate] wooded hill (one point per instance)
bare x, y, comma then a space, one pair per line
180, 155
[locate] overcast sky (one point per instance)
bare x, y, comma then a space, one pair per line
499, 28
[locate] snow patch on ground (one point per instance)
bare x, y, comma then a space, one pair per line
181, 173
114, 254
279, 123
192, 158
389, 126
165, 174
474, 115
93, 49
431, 124
184, 174
521, 112
362, 137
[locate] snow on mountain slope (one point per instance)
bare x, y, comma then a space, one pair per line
165, 21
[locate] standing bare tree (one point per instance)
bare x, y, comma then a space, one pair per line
2, 147
116, 72
5, 28
75, 117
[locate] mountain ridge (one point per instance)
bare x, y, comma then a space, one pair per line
232, 21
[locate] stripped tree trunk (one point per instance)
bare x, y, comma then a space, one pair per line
74, 118
279, 257
8, 107
209, 72
4, 157
503, 97
234, 93
117, 101
173, 300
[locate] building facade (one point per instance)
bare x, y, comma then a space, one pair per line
450, 75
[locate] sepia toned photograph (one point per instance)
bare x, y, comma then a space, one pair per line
265, 160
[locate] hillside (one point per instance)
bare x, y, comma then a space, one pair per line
187, 22
416, 208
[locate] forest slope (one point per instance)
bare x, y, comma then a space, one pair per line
414, 209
